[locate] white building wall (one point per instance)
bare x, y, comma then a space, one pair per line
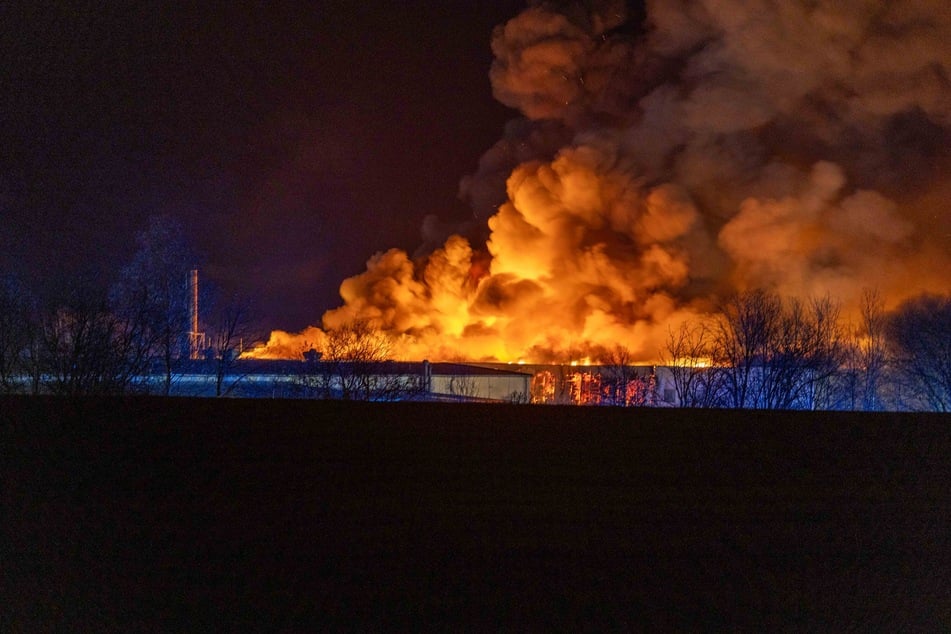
493, 387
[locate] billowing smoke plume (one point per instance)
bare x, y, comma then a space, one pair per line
801, 146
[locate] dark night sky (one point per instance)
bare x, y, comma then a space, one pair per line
293, 139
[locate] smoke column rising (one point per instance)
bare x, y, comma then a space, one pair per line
722, 145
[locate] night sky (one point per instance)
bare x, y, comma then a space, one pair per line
292, 139
656, 164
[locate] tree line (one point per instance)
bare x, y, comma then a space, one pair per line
761, 351
132, 335
355, 364
758, 350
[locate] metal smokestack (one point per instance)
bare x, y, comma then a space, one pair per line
193, 304
196, 339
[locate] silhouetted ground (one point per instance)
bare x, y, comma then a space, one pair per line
225, 515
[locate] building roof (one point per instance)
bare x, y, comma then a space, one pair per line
290, 367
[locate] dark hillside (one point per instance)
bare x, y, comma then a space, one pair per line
225, 515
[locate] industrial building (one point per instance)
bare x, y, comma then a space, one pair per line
394, 380
388, 380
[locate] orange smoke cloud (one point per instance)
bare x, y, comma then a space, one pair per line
800, 146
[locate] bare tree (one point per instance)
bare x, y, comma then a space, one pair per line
805, 355
151, 295
776, 355
83, 348
919, 335
231, 326
519, 398
16, 334
874, 349
864, 372
355, 366
463, 386
619, 376
689, 358
747, 324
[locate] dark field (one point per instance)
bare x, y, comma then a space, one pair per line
225, 515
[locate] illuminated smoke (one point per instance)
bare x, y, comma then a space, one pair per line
800, 146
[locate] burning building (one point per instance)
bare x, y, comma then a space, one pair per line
660, 165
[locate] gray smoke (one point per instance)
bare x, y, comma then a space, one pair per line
796, 145
811, 136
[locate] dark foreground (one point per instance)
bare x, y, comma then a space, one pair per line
205, 515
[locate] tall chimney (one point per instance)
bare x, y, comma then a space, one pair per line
195, 338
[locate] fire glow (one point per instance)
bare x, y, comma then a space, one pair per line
723, 148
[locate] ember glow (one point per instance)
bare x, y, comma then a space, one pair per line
798, 146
